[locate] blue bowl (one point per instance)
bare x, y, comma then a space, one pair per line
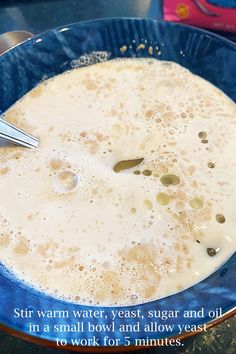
56, 51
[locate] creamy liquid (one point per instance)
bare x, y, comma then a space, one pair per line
75, 228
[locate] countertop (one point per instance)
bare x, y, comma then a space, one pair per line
38, 16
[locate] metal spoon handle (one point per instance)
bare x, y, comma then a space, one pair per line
17, 136
9, 40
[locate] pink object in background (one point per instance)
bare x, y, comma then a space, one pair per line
200, 13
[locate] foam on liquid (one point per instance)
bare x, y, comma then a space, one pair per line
73, 227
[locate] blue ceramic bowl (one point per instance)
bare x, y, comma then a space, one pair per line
56, 51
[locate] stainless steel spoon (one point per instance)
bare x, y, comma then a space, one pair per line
17, 136
8, 131
9, 40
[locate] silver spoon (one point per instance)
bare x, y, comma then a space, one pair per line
9, 40
17, 136
8, 131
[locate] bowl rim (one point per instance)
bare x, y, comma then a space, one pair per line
104, 19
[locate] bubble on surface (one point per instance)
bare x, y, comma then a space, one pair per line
220, 218
147, 173
65, 181
163, 198
197, 203
91, 58
211, 164
170, 180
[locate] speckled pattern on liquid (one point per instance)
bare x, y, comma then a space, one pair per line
88, 224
